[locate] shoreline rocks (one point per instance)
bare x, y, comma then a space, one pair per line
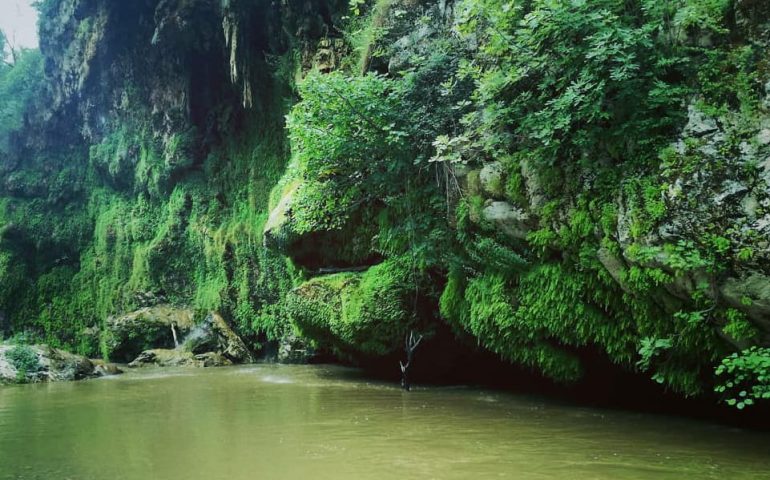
165, 327
151, 327
42, 363
163, 357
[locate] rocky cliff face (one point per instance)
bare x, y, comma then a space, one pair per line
549, 182
688, 234
143, 170
650, 248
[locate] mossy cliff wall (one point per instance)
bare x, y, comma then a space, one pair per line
141, 170
547, 180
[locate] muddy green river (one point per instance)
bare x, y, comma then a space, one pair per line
319, 422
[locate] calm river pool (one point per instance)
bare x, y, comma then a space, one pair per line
324, 422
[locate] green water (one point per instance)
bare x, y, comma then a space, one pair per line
317, 422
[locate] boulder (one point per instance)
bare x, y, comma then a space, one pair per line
294, 349
229, 343
104, 369
212, 359
750, 294
338, 239
615, 267
491, 178
511, 220
215, 335
150, 327
163, 328
730, 189
163, 357
698, 123
41, 363
355, 314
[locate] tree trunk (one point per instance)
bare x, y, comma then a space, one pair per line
410, 345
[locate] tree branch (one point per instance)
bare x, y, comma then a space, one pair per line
355, 110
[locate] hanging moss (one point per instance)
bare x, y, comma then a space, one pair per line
548, 178
357, 312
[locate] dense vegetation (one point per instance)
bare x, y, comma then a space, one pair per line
545, 178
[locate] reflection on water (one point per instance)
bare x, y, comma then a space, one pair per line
318, 422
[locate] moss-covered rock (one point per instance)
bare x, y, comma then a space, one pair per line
41, 363
214, 334
750, 294
315, 227
511, 220
293, 348
168, 327
278, 231
366, 313
179, 358
492, 180
151, 327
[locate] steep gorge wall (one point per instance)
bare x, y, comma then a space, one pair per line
143, 171
547, 181
598, 172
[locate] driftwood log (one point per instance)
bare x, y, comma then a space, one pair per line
411, 343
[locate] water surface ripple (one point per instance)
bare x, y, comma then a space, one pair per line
323, 422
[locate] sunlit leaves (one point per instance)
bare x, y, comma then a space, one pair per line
744, 377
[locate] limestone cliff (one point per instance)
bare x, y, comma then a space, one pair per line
548, 181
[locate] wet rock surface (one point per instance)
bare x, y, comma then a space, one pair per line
214, 334
41, 363
294, 349
179, 358
105, 369
150, 327
167, 335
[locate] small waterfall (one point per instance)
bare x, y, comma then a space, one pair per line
173, 332
198, 334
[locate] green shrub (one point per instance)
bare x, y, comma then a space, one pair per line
744, 377
24, 360
20, 85
739, 327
